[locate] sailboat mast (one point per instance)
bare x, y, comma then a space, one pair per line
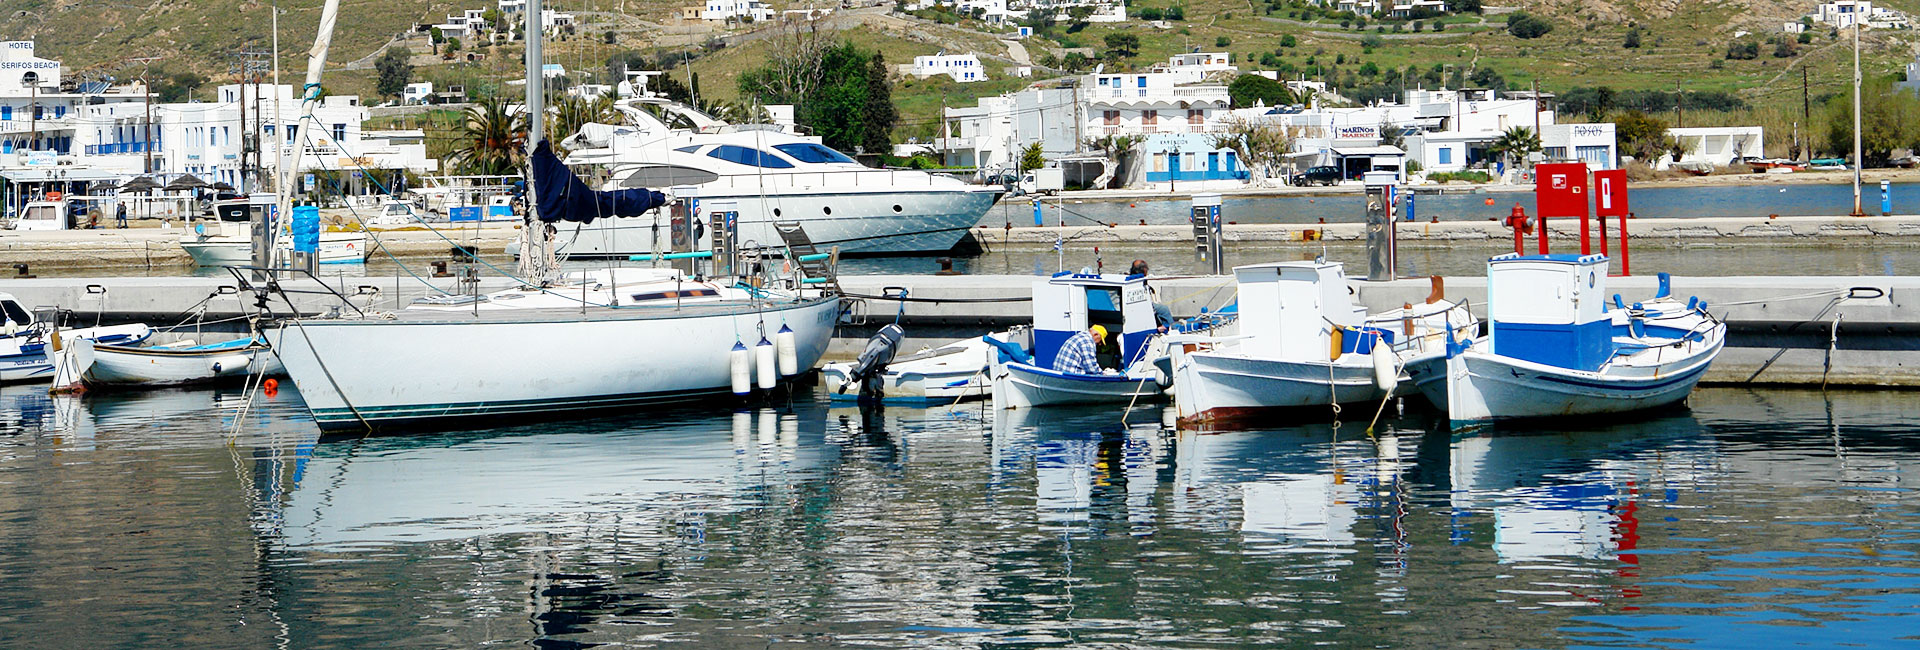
533, 236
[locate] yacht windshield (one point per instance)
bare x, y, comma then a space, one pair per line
748, 156
808, 152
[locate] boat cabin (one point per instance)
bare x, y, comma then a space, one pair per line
1550, 310
1069, 303
14, 314
43, 215
1289, 310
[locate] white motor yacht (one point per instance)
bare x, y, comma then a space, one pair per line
764, 175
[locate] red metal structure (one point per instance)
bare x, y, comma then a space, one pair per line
1610, 200
1560, 190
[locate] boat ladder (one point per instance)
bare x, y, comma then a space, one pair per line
807, 258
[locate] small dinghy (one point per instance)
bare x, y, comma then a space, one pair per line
86, 364
951, 372
1553, 347
1303, 343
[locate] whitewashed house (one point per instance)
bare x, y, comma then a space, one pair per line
963, 68
1718, 145
736, 10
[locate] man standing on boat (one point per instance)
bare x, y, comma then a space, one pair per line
1162, 315
1080, 354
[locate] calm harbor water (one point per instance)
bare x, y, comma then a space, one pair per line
1757, 519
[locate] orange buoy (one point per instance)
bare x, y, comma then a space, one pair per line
270, 387
1133, 205
1489, 200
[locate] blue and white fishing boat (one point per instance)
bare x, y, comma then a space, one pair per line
1303, 343
1067, 304
24, 341
1553, 347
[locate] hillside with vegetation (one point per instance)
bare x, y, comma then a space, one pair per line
1688, 63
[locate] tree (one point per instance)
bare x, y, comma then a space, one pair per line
491, 140
1743, 50
1176, 12
453, 45
1783, 48
1260, 145
1288, 41
1122, 46
1150, 13
395, 71
1889, 120
1514, 144
1393, 135
492, 17
1633, 39
176, 87
1523, 25
435, 37
1467, 6
1222, 42
1032, 157
1643, 136
1250, 89
838, 90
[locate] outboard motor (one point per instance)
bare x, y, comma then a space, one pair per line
873, 361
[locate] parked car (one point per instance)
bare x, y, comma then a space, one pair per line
1322, 175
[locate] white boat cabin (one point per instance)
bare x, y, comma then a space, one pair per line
1550, 309
43, 215
16, 317
1069, 303
1289, 310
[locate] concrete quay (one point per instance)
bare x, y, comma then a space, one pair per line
149, 248
1441, 233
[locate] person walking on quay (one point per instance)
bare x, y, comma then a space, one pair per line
1080, 354
120, 215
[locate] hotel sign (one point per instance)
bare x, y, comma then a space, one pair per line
1357, 132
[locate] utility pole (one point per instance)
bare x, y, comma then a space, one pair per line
1806, 111
1856, 118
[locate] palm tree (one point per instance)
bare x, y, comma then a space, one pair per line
571, 113
491, 140
1514, 144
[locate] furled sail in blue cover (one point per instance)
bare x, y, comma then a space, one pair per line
564, 196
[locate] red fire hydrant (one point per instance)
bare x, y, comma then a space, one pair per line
1521, 226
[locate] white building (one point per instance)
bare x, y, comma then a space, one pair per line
964, 68
1845, 13
1719, 145
1362, 7
990, 11
1593, 144
419, 92
1062, 119
745, 10
1194, 67
1100, 11
469, 24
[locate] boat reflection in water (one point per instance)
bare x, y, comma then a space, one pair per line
960, 527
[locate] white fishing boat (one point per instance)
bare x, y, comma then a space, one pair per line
82, 364
764, 174
1066, 305
24, 341
1553, 348
1302, 343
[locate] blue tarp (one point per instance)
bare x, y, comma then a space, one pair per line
564, 196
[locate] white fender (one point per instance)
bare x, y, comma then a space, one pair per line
742, 364
1386, 373
763, 362
784, 345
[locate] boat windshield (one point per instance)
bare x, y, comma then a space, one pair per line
809, 152
14, 313
748, 156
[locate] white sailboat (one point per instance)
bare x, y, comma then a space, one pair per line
1554, 349
598, 341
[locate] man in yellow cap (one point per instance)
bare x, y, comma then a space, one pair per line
1080, 353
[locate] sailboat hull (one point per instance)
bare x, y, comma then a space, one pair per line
357, 374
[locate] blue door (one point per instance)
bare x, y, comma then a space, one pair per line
1213, 164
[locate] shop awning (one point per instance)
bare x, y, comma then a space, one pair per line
1379, 150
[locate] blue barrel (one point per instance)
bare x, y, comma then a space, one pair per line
306, 229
